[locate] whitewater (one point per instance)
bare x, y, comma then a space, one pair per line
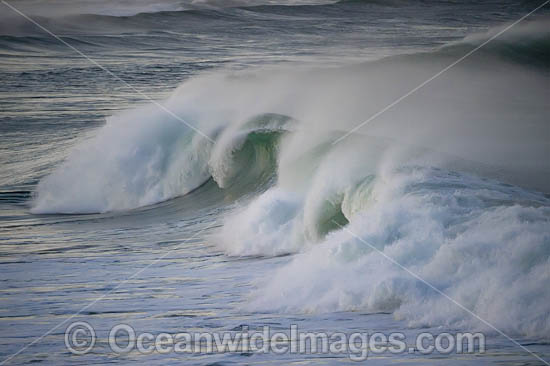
271, 212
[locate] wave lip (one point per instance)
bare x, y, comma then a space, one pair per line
143, 157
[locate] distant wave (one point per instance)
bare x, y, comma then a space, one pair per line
527, 43
100, 17
391, 3
125, 8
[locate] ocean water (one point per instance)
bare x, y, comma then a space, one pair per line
194, 173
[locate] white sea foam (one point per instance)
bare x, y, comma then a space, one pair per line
131, 162
484, 244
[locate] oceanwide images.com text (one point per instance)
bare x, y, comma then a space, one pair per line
81, 338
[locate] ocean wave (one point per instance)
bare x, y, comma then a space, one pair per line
145, 156
132, 163
59, 8
527, 43
445, 183
482, 243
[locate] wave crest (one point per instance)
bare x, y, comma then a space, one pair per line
139, 159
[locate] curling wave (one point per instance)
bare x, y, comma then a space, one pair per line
132, 163
448, 183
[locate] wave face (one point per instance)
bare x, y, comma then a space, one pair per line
447, 183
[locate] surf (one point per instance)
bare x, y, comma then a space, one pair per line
449, 191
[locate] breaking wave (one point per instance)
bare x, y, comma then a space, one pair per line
132, 163
483, 243
448, 183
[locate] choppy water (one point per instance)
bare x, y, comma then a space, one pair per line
98, 184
